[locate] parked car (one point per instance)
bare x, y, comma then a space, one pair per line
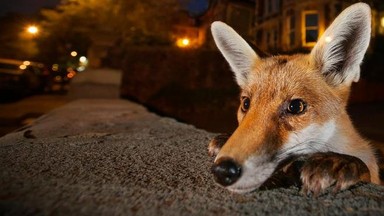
21, 78
60, 76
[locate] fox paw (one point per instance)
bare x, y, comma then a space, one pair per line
216, 144
323, 170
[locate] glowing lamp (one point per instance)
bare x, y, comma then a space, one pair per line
32, 30
83, 59
183, 42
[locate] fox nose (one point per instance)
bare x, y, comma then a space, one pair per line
226, 172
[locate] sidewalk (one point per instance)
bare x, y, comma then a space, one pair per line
96, 83
92, 83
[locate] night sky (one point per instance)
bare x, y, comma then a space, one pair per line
195, 7
25, 6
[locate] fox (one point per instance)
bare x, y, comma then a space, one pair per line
292, 113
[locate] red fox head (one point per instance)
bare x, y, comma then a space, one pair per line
290, 104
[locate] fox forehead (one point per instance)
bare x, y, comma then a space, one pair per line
283, 70
287, 77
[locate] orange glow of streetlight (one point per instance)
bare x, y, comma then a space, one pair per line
183, 42
32, 29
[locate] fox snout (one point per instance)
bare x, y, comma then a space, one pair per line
226, 171
236, 173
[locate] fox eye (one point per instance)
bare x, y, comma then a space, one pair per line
296, 106
245, 104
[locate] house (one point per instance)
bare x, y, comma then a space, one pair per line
240, 15
295, 25
275, 26
193, 32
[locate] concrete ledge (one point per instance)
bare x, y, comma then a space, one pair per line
113, 157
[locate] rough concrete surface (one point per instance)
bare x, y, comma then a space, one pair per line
113, 157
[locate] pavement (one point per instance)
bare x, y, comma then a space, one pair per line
92, 83
96, 83
108, 156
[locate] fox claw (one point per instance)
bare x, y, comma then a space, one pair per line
323, 170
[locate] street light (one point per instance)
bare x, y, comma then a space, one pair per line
183, 42
32, 30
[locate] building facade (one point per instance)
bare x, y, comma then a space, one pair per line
291, 25
274, 26
295, 25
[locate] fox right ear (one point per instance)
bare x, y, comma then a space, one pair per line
340, 51
235, 50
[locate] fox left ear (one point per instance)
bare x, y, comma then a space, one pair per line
340, 51
235, 50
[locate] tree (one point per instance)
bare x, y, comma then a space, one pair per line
75, 24
147, 21
67, 28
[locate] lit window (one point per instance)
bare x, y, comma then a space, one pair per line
311, 28
382, 21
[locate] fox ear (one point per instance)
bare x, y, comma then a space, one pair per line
235, 50
340, 51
